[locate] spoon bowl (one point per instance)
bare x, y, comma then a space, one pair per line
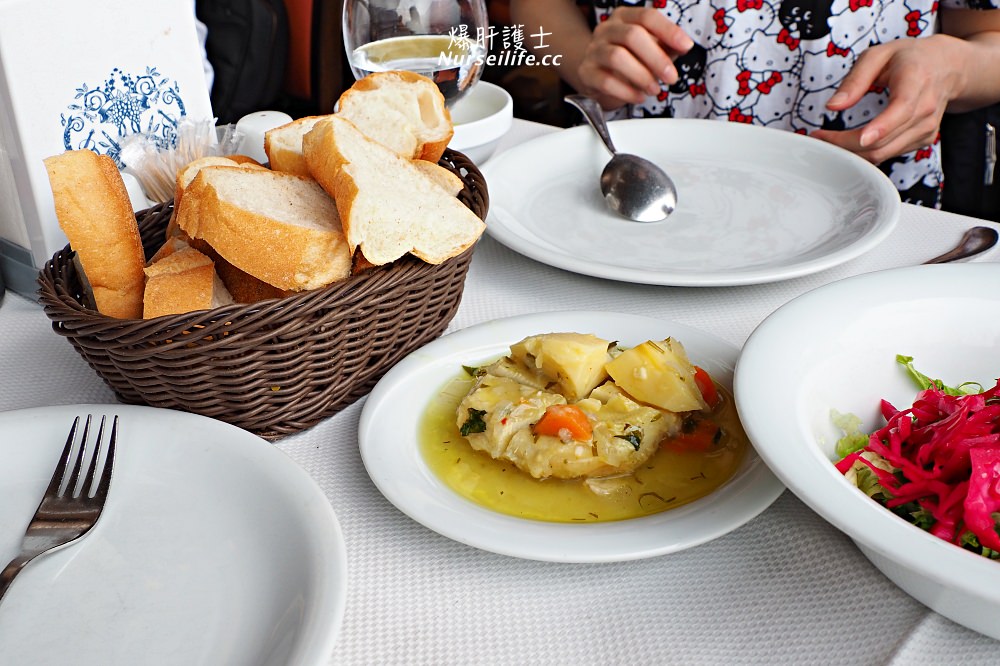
632, 186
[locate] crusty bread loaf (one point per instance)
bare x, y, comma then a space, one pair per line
401, 110
182, 281
93, 210
388, 206
278, 227
283, 145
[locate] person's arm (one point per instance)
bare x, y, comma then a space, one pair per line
980, 30
956, 71
622, 61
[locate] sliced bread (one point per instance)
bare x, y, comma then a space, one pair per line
401, 110
388, 206
182, 281
94, 211
283, 145
278, 227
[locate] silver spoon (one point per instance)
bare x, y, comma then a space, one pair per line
974, 241
633, 187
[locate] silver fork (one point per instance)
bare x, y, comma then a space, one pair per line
68, 509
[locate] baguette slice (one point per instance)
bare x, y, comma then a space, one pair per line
283, 145
278, 227
401, 110
243, 287
187, 173
448, 181
388, 206
183, 281
93, 210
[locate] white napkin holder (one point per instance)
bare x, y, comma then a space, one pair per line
83, 75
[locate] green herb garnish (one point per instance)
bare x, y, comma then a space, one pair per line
633, 436
475, 422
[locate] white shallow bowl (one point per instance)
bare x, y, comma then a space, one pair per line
481, 119
390, 421
835, 347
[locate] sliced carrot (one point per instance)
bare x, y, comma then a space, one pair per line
698, 435
565, 417
706, 386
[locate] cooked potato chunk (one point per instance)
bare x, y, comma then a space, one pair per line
574, 361
658, 374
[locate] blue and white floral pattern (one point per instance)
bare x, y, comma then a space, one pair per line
103, 115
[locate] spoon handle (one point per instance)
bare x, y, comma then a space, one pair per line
591, 110
975, 240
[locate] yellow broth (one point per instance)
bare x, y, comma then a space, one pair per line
669, 479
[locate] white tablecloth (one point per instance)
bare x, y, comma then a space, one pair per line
786, 588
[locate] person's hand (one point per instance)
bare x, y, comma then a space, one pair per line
629, 55
922, 77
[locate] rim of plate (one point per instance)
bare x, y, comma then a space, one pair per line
390, 452
508, 233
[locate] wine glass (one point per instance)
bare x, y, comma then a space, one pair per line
444, 40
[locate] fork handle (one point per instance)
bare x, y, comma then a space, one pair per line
11, 570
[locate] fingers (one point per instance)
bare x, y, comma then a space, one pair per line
867, 71
631, 54
901, 136
918, 95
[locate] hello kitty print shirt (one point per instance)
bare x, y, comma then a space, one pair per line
777, 62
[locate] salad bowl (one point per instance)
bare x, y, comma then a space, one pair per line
835, 348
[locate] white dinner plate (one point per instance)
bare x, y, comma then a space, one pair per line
214, 548
388, 438
754, 204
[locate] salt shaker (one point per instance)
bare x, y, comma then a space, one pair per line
253, 126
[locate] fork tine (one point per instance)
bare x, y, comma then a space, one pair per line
81, 454
109, 460
88, 481
63, 464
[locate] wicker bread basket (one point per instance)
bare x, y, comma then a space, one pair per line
274, 367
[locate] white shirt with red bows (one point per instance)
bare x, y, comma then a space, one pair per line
777, 62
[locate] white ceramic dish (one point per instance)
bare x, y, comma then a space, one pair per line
754, 204
388, 439
214, 548
481, 119
835, 347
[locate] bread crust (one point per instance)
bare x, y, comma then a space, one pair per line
182, 281
287, 256
94, 211
388, 206
283, 145
409, 133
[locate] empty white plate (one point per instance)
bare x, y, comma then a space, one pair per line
754, 204
214, 548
